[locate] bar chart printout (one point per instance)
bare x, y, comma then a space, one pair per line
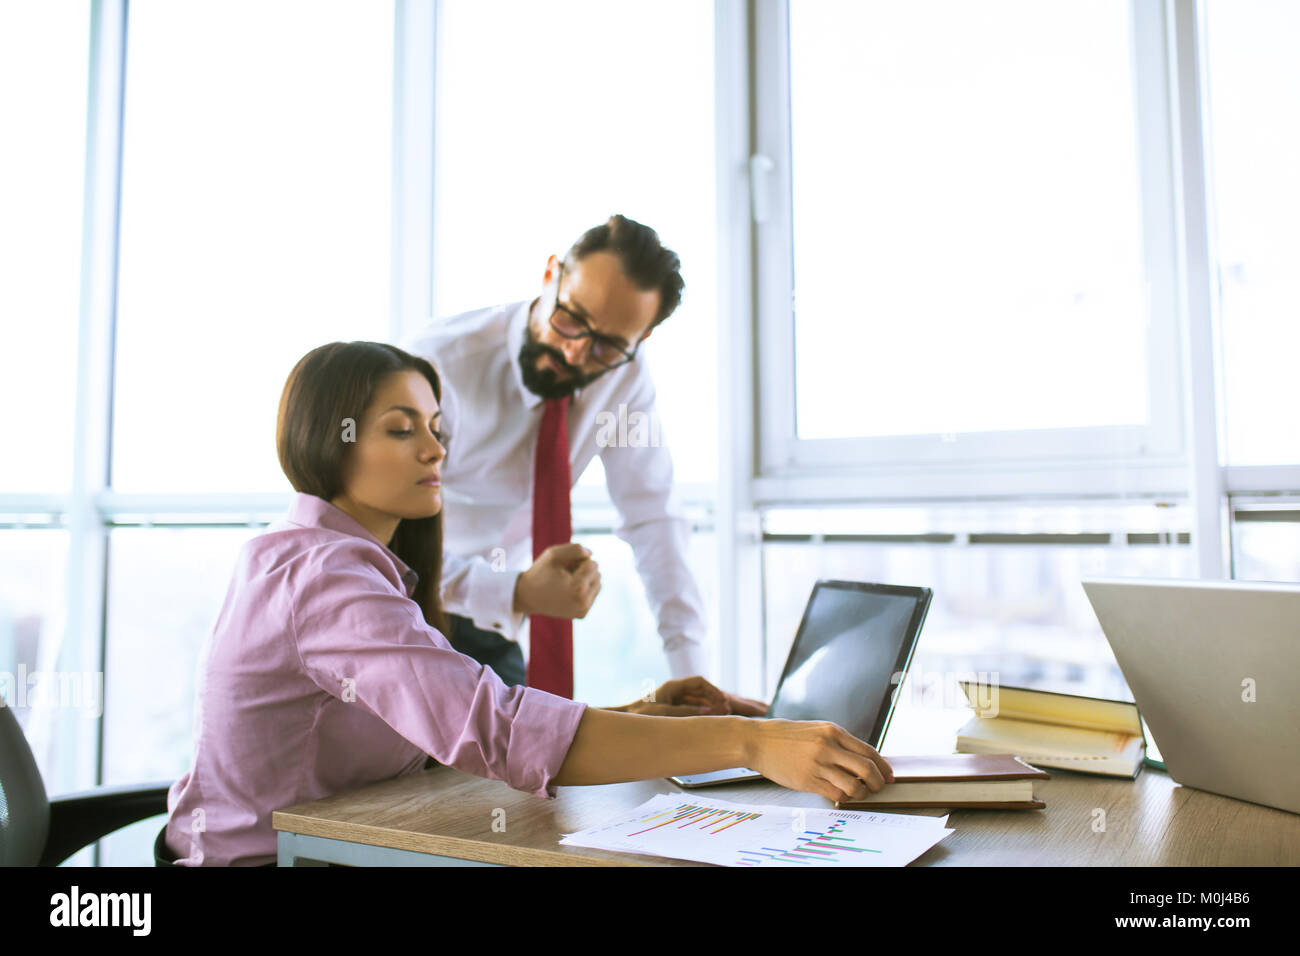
718, 831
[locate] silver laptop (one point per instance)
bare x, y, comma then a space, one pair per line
1215, 669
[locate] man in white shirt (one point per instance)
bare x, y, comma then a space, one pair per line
579, 338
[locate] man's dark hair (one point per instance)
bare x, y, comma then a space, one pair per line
644, 259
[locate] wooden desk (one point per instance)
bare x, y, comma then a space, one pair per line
442, 817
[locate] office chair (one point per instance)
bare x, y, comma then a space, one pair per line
37, 831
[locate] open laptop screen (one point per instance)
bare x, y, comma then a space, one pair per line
852, 640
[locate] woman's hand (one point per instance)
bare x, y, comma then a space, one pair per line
693, 697
817, 757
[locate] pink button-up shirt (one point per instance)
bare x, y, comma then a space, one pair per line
322, 676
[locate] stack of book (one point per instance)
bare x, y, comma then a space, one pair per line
1061, 731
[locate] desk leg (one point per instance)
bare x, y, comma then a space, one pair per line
289, 851
297, 849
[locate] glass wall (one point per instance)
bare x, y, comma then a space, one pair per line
166, 587
256, 186
1253, 79
1266, 541
43, 47
43, 98
1007, 607
33, 601
967, 234
617, 651
548, 128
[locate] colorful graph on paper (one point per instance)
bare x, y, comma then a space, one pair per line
706, 819
812, 847
718, 831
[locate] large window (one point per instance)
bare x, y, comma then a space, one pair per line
1007, 605
995, 245
43, 48
1253, 79
1253, 150
967, 242
1266, 539
576, 111
43, 105
153, 312
165, 589
255, 225
961, 260
33, 599
618, 654
262, 206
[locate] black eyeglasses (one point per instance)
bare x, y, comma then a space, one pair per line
569, 324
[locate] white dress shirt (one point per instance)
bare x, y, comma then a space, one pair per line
492, 419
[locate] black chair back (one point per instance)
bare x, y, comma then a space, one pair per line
24, 805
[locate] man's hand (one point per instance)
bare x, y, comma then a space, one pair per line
563, 582
746, 707
693, 697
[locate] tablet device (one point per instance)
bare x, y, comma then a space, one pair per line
853, 646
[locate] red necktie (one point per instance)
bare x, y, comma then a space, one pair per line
550, 656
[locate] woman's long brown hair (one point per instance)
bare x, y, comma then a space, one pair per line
329, 385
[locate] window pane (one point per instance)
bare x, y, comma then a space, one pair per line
1016, 611
166, 588
33, 599
255, 224
967, 244
44, 50
1266, 543
617, 652
531, 152
1254, 83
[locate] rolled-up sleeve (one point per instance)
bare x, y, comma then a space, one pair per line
361, 640
486, 596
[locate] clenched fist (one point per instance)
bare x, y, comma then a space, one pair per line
563, 582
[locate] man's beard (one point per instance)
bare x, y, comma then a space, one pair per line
545, 382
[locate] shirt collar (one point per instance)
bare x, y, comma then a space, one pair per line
514, 342
309, 511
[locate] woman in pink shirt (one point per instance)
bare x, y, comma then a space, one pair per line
328, 668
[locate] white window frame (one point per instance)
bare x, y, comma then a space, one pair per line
1075, 461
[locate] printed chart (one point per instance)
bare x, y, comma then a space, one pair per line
813, 847
718, 831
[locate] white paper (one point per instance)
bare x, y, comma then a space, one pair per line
687, 827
